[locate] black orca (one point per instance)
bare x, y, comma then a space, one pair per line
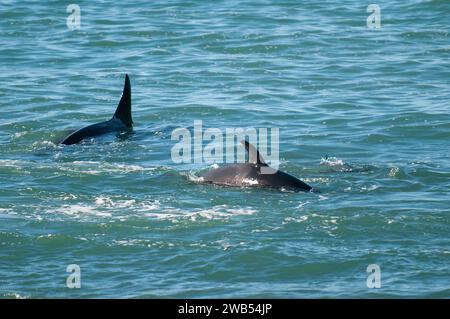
120, 122
251, 174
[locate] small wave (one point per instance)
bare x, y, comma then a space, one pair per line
12, 163
7, 213
302, 204
369, 188
18, 135
265, 230
142, 243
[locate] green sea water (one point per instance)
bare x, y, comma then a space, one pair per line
363, 116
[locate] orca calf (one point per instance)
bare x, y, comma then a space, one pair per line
250, 174
120, 122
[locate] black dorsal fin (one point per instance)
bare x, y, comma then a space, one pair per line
254, 156
123, 111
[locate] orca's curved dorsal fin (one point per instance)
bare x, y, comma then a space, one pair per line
123, 111
254, 156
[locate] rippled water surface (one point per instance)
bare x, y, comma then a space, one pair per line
363, 116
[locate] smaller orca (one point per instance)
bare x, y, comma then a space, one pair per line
120, 122
251, 174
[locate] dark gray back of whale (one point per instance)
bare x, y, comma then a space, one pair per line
249, 174
120, 122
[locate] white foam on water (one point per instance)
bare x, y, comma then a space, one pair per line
127, 242
194, 178
45, 144
46, 236
393, 171
302, 204
130, 168
69, 197
369, 188
86, 163
79, 210
18, 135
108, 202
97, 168
105, 207
336, 163
14, 295
220, 212
300, 219
122, 209
142, 242
103, 200
225, 245
331, 161
317, 180
7, 213
269, 229
333, 221
149, 206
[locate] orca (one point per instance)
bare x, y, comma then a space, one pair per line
255, 172
120, 122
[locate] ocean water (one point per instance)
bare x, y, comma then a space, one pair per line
363, 116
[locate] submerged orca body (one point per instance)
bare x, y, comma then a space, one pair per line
253, 174
120, 122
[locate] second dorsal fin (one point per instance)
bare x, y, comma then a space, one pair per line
123, 111
254, 156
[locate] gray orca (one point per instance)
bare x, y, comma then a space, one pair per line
120, 122
249, 174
